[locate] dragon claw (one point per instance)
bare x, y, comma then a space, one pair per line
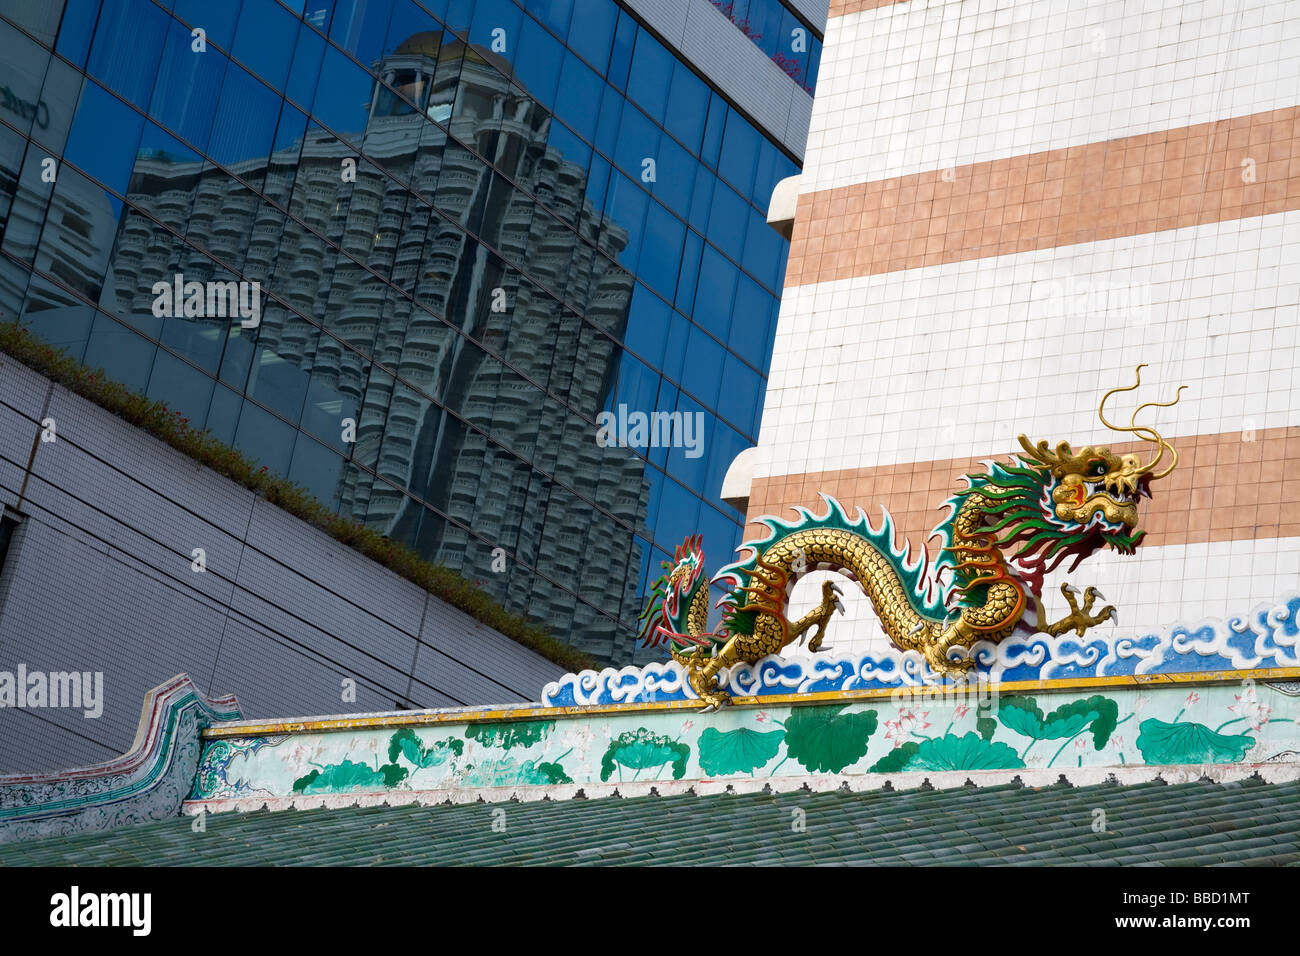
1080, 618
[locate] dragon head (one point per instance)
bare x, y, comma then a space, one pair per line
1093, 487
674, 598
1060, 503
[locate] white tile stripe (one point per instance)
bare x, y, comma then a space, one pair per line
930, 84
955, 360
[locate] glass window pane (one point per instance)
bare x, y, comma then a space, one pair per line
223, 414
591, 30
749, 320
647, 326
690, 106
286, 346
661, 252
538, 62
60, 94
726, 218
342, 98
625, 208
407, 22
638, 140
128, 43
739, 153
496, 28
217, 19
554, 13
77, 28
317, 469
189, 84
264, 438
104, 137
78, 234
57, 316
692, 248
652, 70
701, 372
620, 56
360, 27
24, 195
264, 40
305, 69
713, 130
674, 177
246, 118
22, 74
578, 100
762, 249
124, 355
715, 296
180, 386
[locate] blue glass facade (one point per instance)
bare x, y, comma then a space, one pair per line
784, 35
476, 225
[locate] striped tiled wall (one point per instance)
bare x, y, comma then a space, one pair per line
1006, 206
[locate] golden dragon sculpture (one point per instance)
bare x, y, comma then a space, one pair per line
1049, 505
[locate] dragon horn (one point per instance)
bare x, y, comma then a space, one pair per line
1045, 455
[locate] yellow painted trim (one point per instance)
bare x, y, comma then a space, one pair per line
498, 715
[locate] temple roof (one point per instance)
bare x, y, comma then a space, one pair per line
1149, 823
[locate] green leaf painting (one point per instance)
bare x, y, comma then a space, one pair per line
896, 759
520, 733
986, 727
737, 751
823, 738
640, 749
345, 776
504, 772
1023, 716
407, 743
1187, 742
950, 752
551, 772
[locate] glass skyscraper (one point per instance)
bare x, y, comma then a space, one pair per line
476, 225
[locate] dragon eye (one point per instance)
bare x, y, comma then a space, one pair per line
1099, 468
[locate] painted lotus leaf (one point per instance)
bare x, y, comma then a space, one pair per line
341, 777
950, 752
823, 738
1099, 714
407, 743
1187, 742
1024, 716
737, 751
519, 733
640, 749
553, 773
896, 759
504, 772
986, 727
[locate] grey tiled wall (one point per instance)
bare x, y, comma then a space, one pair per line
99, 578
